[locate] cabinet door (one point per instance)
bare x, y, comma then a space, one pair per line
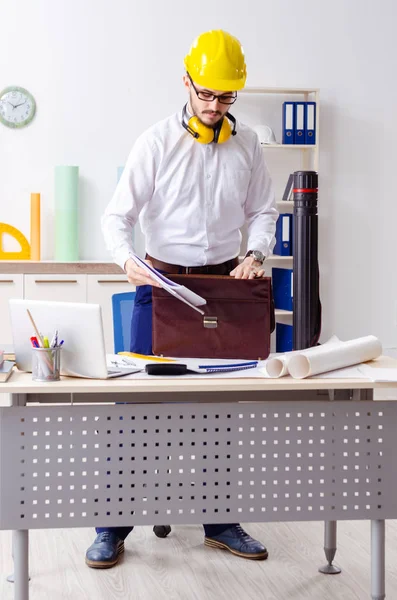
100, 289
59, 288
11, 286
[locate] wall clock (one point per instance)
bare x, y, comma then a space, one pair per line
17, 107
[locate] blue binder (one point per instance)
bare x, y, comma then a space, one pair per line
310, 119
283, 246
300, 114
288, 122
284, 337
282, 281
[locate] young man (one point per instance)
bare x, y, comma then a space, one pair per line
193, 180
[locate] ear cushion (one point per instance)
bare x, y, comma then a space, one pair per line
205, 134
225, 132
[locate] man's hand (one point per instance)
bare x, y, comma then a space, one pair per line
248, 269
138, 276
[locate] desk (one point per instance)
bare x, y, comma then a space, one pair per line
193, 451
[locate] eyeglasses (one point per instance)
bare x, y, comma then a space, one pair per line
208, 97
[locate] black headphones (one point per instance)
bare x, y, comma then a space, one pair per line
204, 134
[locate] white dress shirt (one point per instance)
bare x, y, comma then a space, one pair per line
192, 199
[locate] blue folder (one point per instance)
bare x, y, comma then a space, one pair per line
288, 122
284, 337
282, 282
310, 120
300, 115
283, 246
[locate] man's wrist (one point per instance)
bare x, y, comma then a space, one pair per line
249, 260
257, 256
126, 263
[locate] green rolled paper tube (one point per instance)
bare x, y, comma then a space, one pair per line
66, 213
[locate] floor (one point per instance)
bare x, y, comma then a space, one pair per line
181, 568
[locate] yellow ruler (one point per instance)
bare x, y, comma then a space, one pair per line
148, 358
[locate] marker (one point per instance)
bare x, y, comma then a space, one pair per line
34, 342
46, 342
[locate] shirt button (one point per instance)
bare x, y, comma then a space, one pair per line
208, 176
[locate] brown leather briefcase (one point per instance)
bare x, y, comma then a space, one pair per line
237, 322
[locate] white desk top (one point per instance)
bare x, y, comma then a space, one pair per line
21, 383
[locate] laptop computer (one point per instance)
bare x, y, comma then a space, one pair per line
79, 325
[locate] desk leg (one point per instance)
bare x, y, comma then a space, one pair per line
11, 578
378, 560
20, 539
330, 548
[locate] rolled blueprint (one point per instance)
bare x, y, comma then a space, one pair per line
277, 366
333, 356
66, 213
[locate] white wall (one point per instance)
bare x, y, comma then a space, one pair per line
102, 71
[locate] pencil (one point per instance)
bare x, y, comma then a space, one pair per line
35, 329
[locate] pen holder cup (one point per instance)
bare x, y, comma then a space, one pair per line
46, 364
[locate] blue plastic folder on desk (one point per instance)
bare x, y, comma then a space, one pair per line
282, 281
283, 245
289, 123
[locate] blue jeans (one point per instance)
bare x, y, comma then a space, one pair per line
141, 343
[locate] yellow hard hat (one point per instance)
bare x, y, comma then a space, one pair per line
216, 61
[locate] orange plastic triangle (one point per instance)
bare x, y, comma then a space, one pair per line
24, 252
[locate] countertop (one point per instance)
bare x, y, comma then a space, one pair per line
53, 267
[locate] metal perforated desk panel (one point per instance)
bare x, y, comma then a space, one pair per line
196, 452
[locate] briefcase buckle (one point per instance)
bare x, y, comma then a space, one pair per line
210, 322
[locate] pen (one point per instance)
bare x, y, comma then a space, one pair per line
45, 342
53, 340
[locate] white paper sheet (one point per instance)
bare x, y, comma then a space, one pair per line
179, 291
379, 375
348, 373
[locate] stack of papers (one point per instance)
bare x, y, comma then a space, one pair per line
178, 291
